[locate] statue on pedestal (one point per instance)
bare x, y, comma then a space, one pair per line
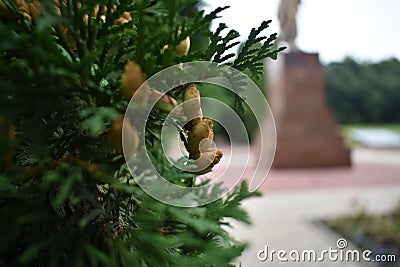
306, 131
287, 18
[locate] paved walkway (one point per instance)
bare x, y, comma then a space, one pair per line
361, 174
284, 217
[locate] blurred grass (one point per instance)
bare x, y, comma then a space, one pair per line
367, 230
346, 129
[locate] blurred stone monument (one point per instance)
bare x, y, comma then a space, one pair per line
307, 135
287, 19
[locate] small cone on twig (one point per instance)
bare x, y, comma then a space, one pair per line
200, 133
183, 47
191, 103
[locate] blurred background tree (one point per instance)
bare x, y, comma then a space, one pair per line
67, 197
364, 92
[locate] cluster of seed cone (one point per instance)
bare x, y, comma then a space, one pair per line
27, 9
198, 131
31, 9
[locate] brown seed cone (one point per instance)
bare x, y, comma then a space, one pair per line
131, 80
7, 137
166, 103
191, 102
183, 47
67, 34
165, 47
199, 132
34, 8
212, 155
120, 21
25, 12
125, 17
20, 4
28, 10
131, 137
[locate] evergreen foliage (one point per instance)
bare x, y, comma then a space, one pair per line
66, 196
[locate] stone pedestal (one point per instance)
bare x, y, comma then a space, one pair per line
307, 135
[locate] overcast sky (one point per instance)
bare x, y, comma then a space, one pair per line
368, 30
